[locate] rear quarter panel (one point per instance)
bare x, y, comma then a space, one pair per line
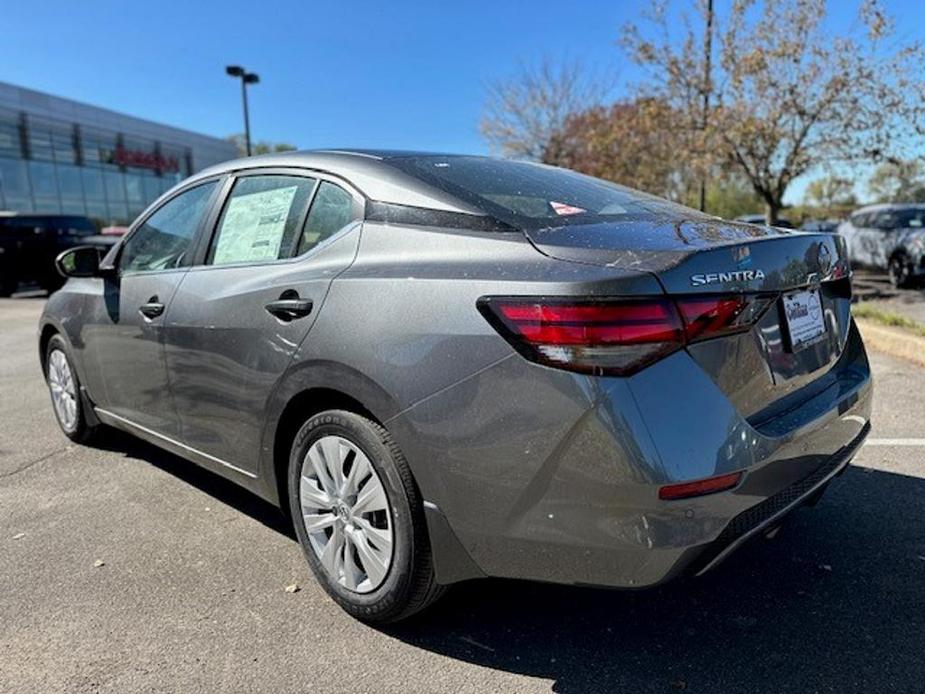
401, 324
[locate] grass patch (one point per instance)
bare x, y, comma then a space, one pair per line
878, 315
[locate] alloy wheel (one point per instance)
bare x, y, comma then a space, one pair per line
346, 514
63, 389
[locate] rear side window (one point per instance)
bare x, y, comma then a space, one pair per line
910, 219
262, 219
163, 240
331, 211
884, 220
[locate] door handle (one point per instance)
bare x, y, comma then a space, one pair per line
152, 309
290, 309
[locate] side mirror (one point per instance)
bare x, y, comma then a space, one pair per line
81, 261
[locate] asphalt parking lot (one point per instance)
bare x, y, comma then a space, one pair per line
127, 569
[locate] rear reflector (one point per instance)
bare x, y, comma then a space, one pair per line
710, 485
615, 336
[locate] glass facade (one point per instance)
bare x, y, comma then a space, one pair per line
56, 166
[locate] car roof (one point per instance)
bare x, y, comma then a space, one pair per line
368, 170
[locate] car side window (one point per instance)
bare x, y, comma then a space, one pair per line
162, 242
332, 210
262, 219
884, 221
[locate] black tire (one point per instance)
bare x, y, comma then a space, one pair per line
410, 583
900, 276
81, 430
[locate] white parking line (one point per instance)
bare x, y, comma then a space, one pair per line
895, 442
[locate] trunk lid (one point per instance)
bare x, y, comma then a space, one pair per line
678, 250
759, 370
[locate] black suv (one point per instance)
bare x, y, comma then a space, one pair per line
29, 244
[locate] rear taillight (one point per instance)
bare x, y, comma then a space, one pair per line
712, 316
615, 336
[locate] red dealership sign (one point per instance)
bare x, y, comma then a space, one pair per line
122, 156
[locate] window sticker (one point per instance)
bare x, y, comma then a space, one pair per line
561, 209
253, 226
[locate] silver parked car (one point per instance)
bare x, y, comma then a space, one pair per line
449, 367
888, 237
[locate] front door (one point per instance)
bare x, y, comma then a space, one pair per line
239, 316
127, 339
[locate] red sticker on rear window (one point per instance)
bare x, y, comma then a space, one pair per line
562, 209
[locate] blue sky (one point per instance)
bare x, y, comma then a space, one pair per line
376, 74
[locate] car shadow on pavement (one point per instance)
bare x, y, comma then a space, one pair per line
207, 482
834, 603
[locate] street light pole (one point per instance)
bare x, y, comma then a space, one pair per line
707, 87
246, 79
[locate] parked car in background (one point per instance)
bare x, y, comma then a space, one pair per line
826, 226
449, 367
29, 244
761, 220
888, 237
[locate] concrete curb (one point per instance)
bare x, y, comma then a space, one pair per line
894, 341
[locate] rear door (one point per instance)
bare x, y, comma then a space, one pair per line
280, 238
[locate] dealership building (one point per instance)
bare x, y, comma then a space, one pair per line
63, 156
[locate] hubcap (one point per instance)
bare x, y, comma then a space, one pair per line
63, 390
345, 513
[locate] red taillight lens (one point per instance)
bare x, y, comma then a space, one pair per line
593, 336
614, 336
711, 316
594, 324
710, 485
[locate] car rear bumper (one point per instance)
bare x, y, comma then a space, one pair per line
767, 513
545, 475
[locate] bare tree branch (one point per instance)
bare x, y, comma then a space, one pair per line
522, 113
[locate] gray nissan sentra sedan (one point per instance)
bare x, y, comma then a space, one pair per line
450, 367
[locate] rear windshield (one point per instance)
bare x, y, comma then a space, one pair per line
534, 195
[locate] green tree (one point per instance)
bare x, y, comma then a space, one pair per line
831, 191
898, 181
261, 147
729, 196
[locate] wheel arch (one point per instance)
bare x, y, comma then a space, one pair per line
898, 252
305, 391
318, 387
47, 331
300, 408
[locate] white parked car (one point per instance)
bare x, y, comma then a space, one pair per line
888, 237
